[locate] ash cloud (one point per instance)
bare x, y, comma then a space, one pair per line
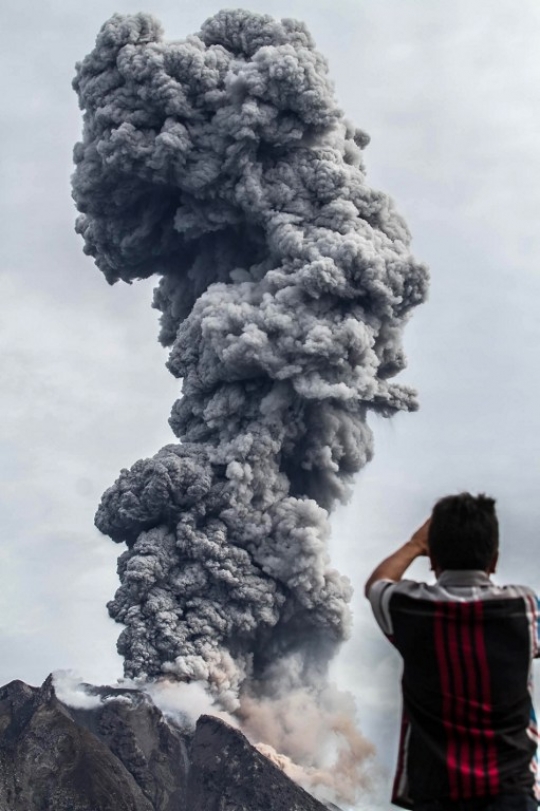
312, 735
223, 165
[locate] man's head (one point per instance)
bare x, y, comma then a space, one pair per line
464, 533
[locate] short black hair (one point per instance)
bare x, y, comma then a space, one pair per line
464, 532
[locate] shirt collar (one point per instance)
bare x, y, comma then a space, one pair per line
464, 577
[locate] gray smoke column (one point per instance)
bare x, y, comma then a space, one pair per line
223, 165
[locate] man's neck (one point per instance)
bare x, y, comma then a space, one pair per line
463, 577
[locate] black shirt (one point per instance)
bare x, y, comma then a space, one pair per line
468, 724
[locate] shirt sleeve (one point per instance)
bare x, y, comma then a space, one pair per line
379, 596
532, 607
536, 628
537, 652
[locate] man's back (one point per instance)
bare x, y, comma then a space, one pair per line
468, 723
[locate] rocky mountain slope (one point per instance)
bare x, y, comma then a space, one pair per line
122, 754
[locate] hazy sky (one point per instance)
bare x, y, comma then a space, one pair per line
449, 93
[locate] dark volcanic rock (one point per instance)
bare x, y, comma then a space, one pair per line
228, 774
50, 763
154, 751
123, 755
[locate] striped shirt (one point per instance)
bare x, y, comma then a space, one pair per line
468, 725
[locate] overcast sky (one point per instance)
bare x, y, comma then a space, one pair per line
449, 93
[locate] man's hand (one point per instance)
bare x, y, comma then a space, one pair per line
420, 538
395, 566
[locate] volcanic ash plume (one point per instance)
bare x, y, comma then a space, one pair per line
223, 165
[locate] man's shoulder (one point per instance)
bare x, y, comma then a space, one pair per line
384, 592
460, 586
518, 588
387, 587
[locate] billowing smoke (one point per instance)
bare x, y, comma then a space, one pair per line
223, 165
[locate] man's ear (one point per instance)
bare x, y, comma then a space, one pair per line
493, 565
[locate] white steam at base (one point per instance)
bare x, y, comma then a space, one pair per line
223, 165
327, 755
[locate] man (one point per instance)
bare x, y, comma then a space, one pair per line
468, 738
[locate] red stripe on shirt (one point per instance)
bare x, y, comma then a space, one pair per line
489, 733
473, 720
454, 645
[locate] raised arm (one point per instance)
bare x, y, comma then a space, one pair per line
394, 566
